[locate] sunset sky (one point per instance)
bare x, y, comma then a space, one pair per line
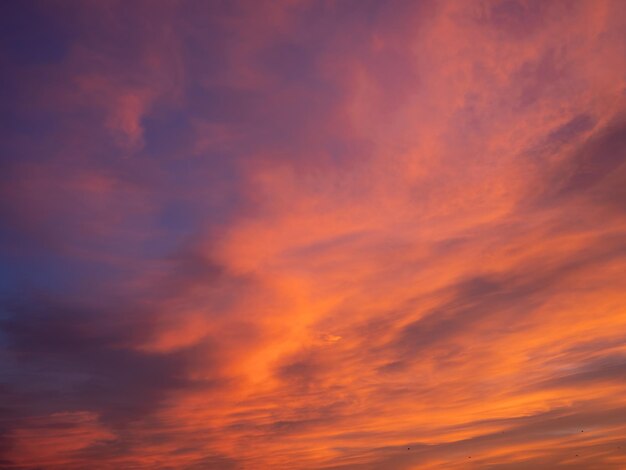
317, 234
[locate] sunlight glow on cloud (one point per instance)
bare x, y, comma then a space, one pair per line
313, 234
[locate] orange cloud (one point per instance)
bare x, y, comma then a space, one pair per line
332, 235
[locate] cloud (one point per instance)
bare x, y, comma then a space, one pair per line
312, 235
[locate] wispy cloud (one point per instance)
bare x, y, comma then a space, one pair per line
316, 234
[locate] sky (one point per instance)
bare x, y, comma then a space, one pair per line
319, 234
